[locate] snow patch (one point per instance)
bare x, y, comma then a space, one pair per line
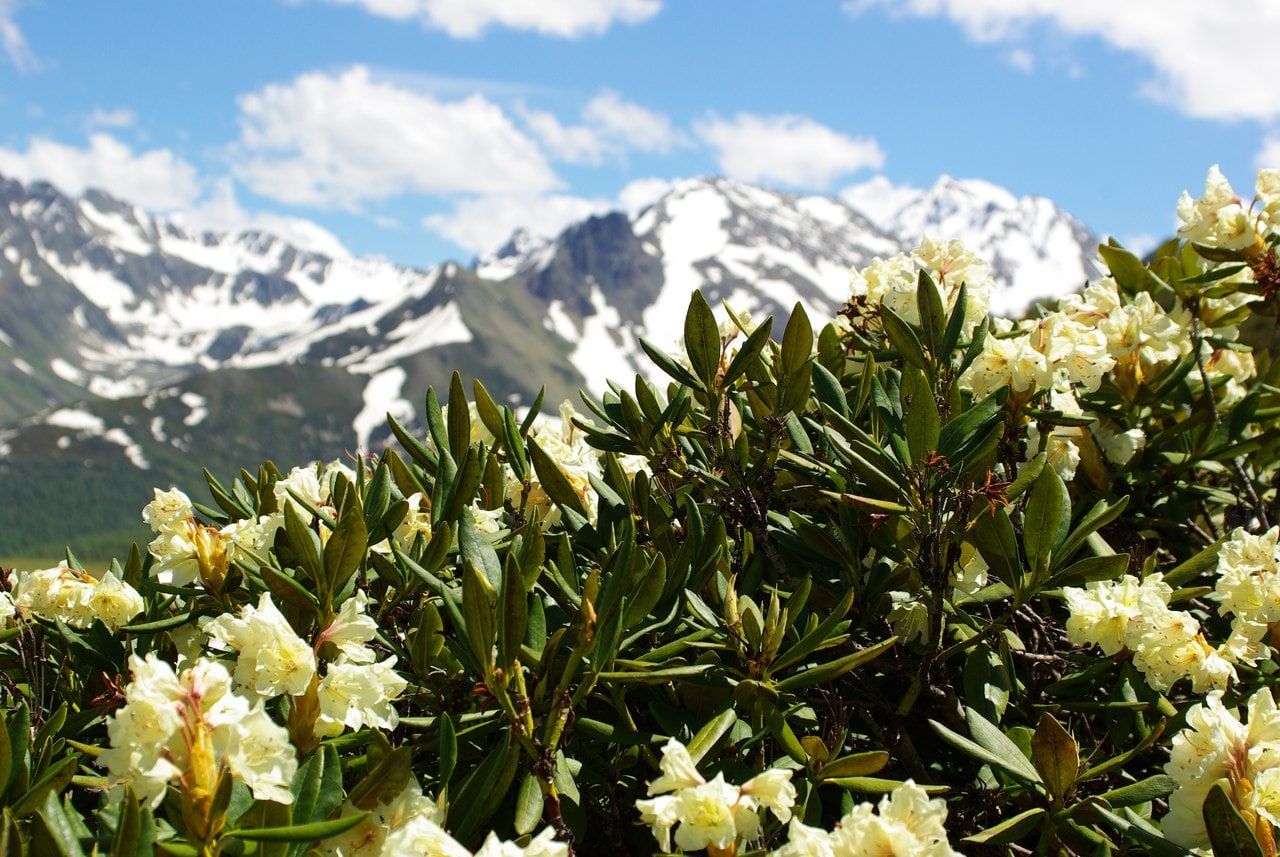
132, 451
76, 419
198, 407
602, 353
442, 326
559, 322
66, 371
381, 397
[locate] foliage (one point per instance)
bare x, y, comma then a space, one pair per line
1017, 582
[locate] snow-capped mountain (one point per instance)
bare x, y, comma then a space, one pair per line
1033, 247
128, 342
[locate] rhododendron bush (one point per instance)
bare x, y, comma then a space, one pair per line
922, 583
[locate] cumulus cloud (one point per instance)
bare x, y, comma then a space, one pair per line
467, 19
13, 41
156, 179
119, 117
1195, 48
639, 194
1268, 156
336, 140
787, 150
484, 223
610, 126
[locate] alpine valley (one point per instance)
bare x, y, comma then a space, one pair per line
128, 343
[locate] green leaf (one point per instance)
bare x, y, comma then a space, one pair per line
1009, 830
1229, 833
477, 608
855, 765
303, 540
797, 342
311, 832
448, 749
903, 338
514, 615
1046, 518
932, 313
955, 325
921, 421
993, 536
553, 480
1130, 274
748, 352
346, 547
877, 785
702, 339
528, 805
667, 364
317, 789
711, 733
54, 833
1007, 757
833, 669
477, 549
459, 418
1143, 791
1055, 755
1095, 519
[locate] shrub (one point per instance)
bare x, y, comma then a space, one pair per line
927, 582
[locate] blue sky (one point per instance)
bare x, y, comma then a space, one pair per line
426, 129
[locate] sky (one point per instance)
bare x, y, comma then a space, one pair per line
420, 130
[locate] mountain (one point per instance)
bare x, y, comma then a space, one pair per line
133, 350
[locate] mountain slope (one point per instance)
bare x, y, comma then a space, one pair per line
132, 350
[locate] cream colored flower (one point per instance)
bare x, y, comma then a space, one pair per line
354, 694
907, 823
114, 602
1107, 614
1011, 362
368, 838
1216, 219
75, 597
168, 512
544, 844
258, 752
273, 659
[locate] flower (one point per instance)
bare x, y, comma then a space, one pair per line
168, 512
74, 596
906, 823
1216, 219
192, 724
544, 844
1217, 746
273, 659
1012, 362
892, 282
369, 837
351, 629
714, 813
1248, 584
354, 694
1107, 614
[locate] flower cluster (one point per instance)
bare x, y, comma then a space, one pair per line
908, 823
1218, 747
1167, 645
892, 282
710, 814
188, 551
73, 596
192, 726
413, 823
272, 660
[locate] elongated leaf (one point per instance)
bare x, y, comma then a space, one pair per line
553, 480
903, 338
1143, 791
1046, 518
1009, 830
855, 765
711, 733
1007, 757
1055, 755
702, 338
528, 805
834, 669
311, 832
1229, 833
797, 341
345, 549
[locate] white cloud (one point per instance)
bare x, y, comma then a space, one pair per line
1210, 60
610, 127
1268, 156
467, 19
639, 194
220, 211
484, 223
786, 150
119, 117
13, 41
337, 140
156, 179
1022, 60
